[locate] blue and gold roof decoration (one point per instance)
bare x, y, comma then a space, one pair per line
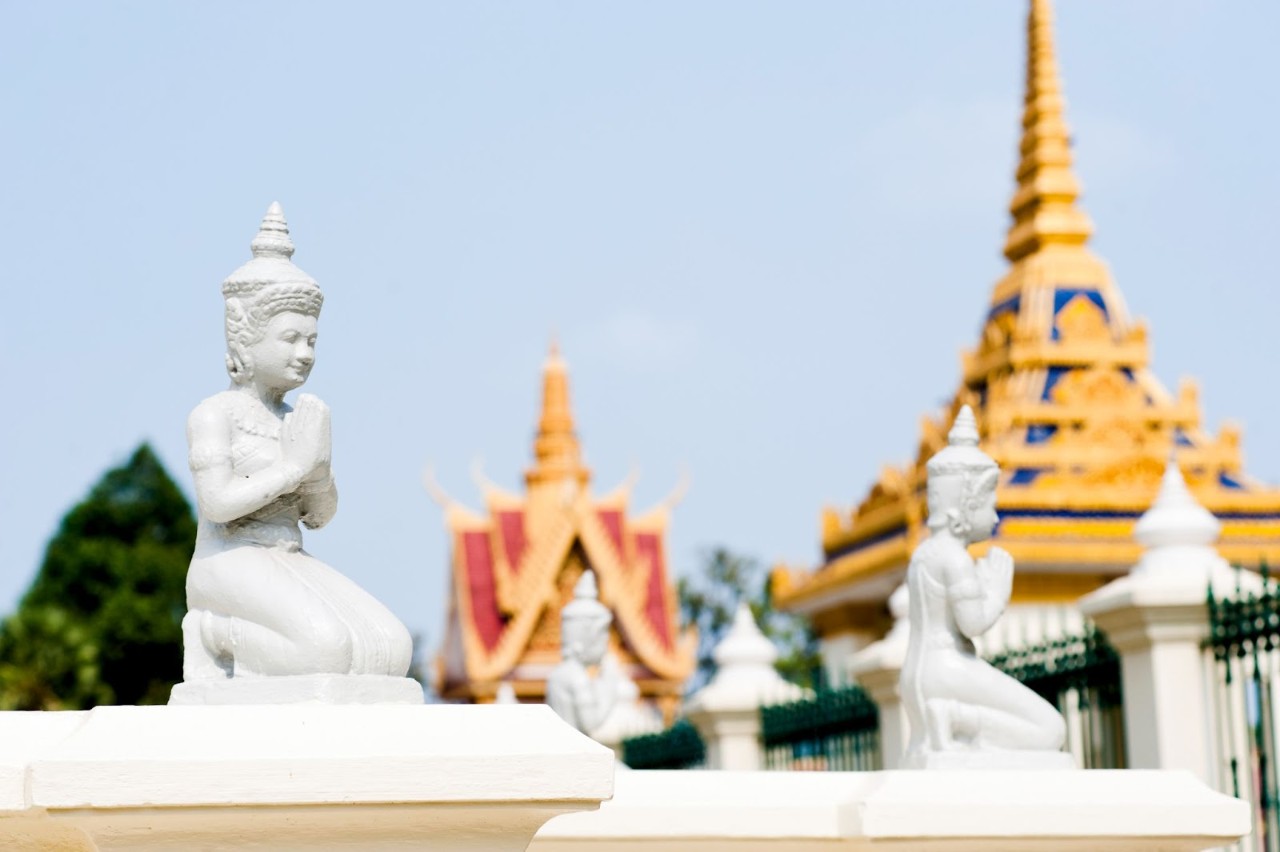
1066, 402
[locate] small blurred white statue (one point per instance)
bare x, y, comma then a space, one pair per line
963, 712
261, 607
580, 698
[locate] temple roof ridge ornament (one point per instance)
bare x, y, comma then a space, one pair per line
557, 453
1044, 205
661, 510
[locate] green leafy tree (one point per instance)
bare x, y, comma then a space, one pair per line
710, 597
101, 622
48, 661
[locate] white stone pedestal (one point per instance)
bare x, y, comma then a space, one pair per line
907, 811
299, 689
298, 777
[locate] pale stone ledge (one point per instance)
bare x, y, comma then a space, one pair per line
294, 777
988, 810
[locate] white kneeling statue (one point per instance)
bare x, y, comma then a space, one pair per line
964, 713
267, 622
580, 698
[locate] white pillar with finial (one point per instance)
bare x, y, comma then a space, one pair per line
1157, 618
726, 711
878, 669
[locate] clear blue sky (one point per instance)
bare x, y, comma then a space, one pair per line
762, 231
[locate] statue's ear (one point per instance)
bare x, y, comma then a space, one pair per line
239, 366
957, 523
986, 482
239, 327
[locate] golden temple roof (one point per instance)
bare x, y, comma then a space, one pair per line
1065, 400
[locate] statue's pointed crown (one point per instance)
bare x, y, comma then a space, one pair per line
273, 235
961, 455
271, 263
586, 600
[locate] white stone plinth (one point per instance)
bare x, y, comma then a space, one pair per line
1022, 759
960, 811
296, 777
300, 689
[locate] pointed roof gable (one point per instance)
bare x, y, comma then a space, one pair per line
507, 562
1064, 396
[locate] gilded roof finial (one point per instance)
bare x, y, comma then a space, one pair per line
1044, 205
557, 455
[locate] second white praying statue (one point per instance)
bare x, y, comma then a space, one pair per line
963, 712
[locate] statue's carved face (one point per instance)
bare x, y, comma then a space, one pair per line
588, 640
282, 358
983, 518
980, 505
964, 503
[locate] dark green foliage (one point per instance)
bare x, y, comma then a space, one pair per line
48, 661
710, 597
106, 607
678, 747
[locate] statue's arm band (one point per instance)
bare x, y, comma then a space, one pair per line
202, 458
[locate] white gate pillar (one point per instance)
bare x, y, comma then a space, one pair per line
1156, 617
726, 711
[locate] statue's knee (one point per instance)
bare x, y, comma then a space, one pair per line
401, 656
328, 646
1052, 727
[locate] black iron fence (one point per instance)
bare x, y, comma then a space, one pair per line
836, 729
1080, 675
678, 747
1244, 643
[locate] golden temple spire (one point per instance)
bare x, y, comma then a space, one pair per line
557, 456
1044, 205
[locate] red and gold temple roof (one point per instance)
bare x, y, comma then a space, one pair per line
1066, 403
514, 566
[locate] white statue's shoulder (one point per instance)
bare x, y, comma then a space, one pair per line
209, 430
214, 413
220, 406
232, 412
568, 672
941, 555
